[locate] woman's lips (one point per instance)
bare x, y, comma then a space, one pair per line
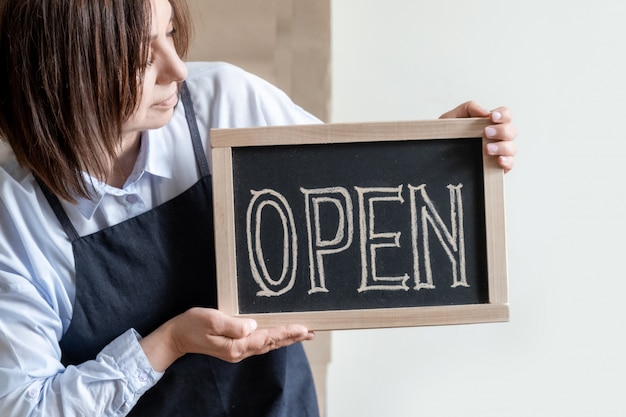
168, 102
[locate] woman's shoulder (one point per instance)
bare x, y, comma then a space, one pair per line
200, 71
9, 167
6, 155
18, 189
238, 98
227, 81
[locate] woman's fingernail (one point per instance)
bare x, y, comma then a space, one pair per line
253, 325
490, 131
492, 148
496, 116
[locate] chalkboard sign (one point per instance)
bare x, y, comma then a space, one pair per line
341, 226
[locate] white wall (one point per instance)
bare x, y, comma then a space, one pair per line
561, 66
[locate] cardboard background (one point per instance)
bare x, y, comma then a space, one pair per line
286, 42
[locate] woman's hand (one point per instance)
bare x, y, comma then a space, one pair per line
210, 332
502, 132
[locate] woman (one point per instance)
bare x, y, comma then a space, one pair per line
107, 289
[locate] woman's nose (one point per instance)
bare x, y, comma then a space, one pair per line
173, 69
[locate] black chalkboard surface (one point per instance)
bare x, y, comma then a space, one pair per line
363, 225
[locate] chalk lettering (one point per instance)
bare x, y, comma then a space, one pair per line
261, 200
371, 240
318, 247
425, 219
452, 241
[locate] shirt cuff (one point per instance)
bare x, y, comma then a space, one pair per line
132, 362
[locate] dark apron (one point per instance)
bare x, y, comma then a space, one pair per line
142, 272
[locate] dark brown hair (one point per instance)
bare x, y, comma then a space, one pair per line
70, 76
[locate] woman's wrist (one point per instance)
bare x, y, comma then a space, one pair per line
160, 348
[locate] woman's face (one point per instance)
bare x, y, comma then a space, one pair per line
164, 71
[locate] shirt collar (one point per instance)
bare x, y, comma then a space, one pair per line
149, 161
155, 153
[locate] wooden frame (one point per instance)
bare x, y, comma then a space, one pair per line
225, 140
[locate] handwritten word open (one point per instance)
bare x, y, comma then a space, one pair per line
424, 219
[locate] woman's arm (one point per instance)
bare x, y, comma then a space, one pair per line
34, 382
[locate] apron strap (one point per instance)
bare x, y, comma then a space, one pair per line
192, 123
57, 208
